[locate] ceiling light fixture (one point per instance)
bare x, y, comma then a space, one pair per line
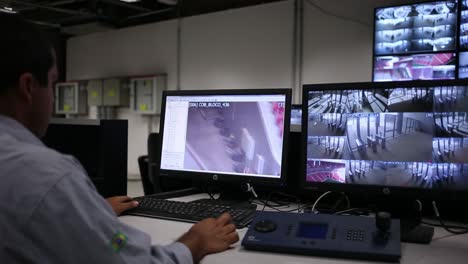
168, 2
130, 1
7, 9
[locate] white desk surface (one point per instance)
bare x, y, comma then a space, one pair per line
445, 248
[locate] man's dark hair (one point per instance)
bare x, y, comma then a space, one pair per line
24, 49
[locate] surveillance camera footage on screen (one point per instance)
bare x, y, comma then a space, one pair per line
407, 137
417, 41
231, 134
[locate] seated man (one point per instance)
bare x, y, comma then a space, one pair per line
51, 212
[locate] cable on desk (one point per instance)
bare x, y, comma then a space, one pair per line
450, 229
265, 205
439, 225
273, 203
204, 189
318, 200
338, 202
247, 187
276, 204
283, 198
281, 210
352, 210
306, 205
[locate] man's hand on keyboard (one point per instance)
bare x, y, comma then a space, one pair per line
211, 235
121, 204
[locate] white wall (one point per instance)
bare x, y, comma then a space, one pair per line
336, 49
242, 48
338, 39
217, 52
138, 50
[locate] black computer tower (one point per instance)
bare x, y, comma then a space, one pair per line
101, 146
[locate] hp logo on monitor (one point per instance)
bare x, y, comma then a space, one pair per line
215, 177
386, 191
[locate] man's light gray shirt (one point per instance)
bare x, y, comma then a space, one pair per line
52, 213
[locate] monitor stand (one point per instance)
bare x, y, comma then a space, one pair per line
232, 196
235, 195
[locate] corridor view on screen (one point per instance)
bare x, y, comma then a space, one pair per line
408, 137
232, 134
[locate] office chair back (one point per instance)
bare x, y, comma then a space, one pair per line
161, 184
143, 164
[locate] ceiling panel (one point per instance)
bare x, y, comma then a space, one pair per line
110, 14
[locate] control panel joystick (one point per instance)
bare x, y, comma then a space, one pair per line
383, 222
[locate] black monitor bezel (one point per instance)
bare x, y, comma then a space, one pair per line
296, 106
226, 178
372, 190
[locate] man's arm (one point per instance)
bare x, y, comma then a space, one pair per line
75, 223
121, 204
210, 236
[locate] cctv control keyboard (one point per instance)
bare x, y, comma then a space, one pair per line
194, 211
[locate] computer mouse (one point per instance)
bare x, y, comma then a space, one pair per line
265, 226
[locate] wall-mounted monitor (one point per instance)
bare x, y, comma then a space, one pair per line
416, 41
424, 27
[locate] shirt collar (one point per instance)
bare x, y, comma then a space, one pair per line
18, 131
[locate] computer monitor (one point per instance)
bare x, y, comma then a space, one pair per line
225, 136
101, 146
406, 139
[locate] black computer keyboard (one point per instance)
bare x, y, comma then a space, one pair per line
193, 212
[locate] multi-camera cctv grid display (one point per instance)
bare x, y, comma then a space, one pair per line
416, 42
407, 137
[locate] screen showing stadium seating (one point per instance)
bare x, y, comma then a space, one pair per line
408, 134
416, 41
224, 133
438, 66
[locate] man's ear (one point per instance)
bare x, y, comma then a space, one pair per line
25, 89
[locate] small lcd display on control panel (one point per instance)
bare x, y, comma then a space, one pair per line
313, 230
